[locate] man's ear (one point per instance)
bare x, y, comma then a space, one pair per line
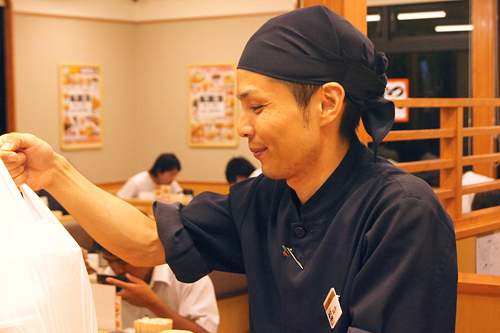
333, 102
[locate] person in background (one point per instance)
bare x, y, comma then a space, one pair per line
163, 172
238, 169
155, 292
486, 200
333, 237
470, 178
52, 203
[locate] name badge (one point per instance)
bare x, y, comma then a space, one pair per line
332, 307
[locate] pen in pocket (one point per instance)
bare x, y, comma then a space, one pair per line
287, 251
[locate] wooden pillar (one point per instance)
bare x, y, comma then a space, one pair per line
451, 149
484, 75
9, 66
355, 12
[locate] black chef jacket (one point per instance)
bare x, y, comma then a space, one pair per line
375, 233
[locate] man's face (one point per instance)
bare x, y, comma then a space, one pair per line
166, 177
121, 267
278, 135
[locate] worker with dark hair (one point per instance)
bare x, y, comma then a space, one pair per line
163, 172
238, 169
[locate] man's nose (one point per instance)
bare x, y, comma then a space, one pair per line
117, 268
245, 124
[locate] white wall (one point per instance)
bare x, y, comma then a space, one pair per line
41, 44
162, 85
144, 86
144, 48
147, 10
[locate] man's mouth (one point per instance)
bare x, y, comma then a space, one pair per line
257, 151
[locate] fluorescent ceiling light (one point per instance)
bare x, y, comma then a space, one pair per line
373, 18
421, 15
453, 28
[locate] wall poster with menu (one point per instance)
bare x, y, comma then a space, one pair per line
212, 106
80, 95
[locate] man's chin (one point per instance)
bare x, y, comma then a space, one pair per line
273, 174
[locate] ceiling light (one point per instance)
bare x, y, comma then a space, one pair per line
454, 28
373, 18
421, 15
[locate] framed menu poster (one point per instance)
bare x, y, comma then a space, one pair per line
80, 104
212, 106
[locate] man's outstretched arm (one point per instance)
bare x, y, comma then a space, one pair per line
115, 224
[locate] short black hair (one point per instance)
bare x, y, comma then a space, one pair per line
350, 119
303, 93
165, 162
486, 199
238, 166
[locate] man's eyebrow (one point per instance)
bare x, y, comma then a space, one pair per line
244, 94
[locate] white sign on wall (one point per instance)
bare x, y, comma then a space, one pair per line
398, 89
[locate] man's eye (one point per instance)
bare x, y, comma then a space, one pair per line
257, 109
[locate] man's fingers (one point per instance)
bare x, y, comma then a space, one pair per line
116, 282
18, 175
132, 278
13, 141
16, 172
12, 159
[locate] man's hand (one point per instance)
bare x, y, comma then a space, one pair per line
108, 219
88, 266
136, 291
28, 159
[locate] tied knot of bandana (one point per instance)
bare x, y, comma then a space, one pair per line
314, 45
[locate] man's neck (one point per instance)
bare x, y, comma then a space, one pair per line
312, 179
153, 178
149, 276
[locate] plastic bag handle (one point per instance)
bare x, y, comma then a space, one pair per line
36, 205
28, 202
14, 198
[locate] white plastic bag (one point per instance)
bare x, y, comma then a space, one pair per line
44, 286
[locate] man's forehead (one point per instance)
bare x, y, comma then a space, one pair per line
245, 92
109, 255
252, 84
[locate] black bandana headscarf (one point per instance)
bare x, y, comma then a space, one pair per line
314, 45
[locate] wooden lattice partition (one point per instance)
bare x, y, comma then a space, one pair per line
478, 305
451, 160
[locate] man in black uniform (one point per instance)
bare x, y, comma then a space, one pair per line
330, 236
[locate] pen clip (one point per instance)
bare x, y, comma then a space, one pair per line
288, 252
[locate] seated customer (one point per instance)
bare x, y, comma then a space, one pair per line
51, 202
155, 292
239, 168
486, 199
470, 178
163, 172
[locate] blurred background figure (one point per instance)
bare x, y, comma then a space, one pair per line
470, 178
239, 168
163, 172
486, 200
51, 202
155, 292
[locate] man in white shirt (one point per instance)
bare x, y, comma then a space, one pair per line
155, 292
470, 178
163, 172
